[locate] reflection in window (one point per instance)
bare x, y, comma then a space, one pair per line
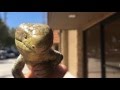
112, 49
93, 52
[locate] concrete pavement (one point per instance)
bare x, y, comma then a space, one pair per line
6, 66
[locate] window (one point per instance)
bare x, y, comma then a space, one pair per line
102, 49
93, 52
112, 48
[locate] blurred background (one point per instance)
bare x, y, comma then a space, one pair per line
89, 41
8, 23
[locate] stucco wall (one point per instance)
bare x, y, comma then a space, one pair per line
72, 54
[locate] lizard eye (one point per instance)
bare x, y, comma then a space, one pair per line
33, 47
25, 36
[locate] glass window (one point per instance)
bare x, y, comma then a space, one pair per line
93, 52
112, 48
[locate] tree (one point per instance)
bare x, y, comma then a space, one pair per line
12, 32
11, 38
3, 32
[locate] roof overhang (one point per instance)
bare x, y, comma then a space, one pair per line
75, 20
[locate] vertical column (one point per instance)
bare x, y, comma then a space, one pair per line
80, 64
64, 46
72, 55
102, 46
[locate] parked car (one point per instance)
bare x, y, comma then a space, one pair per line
3, 54
8, 53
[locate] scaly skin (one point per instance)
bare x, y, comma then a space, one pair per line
34, 43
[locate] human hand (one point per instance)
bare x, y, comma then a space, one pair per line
58, 72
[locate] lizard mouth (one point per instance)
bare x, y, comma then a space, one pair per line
22, 46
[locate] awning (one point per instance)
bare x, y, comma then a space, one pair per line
75, 20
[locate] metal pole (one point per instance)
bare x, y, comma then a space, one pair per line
5, 17
0, 16
85, 62
102, 45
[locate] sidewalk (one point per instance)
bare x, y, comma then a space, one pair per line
6, 66
68, 75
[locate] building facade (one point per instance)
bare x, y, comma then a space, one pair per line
87, 41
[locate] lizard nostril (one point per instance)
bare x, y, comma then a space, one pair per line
33, 47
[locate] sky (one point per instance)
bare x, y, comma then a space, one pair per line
14, 19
